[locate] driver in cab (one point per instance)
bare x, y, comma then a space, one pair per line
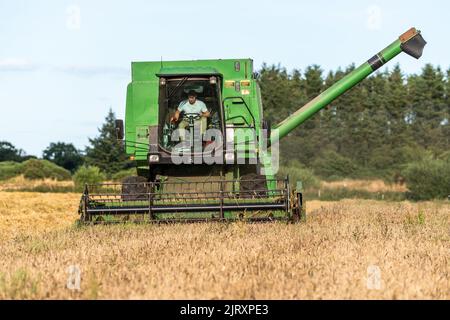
191, 106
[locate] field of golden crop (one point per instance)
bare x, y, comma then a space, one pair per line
366, 185
332, 255
19, 183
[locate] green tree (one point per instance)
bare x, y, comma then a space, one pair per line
275, 92
309, 136
429, 178
8, 152
87, 175
105, 152
397, 107
428, 108
446, 114
378, 127
374, 122
64, 155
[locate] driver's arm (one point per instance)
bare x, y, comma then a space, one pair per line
175, 116
206, 114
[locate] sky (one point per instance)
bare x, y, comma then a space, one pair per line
64, 64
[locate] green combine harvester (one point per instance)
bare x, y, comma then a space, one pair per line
202, 147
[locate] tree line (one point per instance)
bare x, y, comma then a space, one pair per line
103, 152
374, 130
384, 123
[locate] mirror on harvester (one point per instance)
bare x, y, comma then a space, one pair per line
119, 129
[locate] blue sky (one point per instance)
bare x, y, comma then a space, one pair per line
63, 64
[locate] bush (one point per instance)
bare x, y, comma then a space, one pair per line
332, 164
428, 178
43, 189
10, 169
298, 172
119, 176
336, 194
88, 175
34, 169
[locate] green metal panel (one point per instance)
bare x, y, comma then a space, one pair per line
144, 113
130, 128
238, 114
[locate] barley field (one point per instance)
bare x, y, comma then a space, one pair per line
371, 186
350, 249
20, 182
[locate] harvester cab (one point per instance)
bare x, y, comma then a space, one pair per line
202, 147
174, 96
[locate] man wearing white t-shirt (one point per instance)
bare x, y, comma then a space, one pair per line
191, 105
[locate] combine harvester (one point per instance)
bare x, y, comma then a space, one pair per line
222, 167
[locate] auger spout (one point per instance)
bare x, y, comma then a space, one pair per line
411, 42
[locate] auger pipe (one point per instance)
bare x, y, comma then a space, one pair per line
411, 42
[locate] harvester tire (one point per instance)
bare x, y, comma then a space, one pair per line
134, 188
253, 184
298, 210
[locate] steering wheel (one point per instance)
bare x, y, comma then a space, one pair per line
191, 117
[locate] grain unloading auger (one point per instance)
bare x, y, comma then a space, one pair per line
222, 167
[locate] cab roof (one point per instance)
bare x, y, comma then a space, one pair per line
236, 69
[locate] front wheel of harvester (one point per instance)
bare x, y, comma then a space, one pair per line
252, 185
84, 216
134, 188
298, 209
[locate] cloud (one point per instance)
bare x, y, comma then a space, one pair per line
22, 65
90, 70
17, 64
